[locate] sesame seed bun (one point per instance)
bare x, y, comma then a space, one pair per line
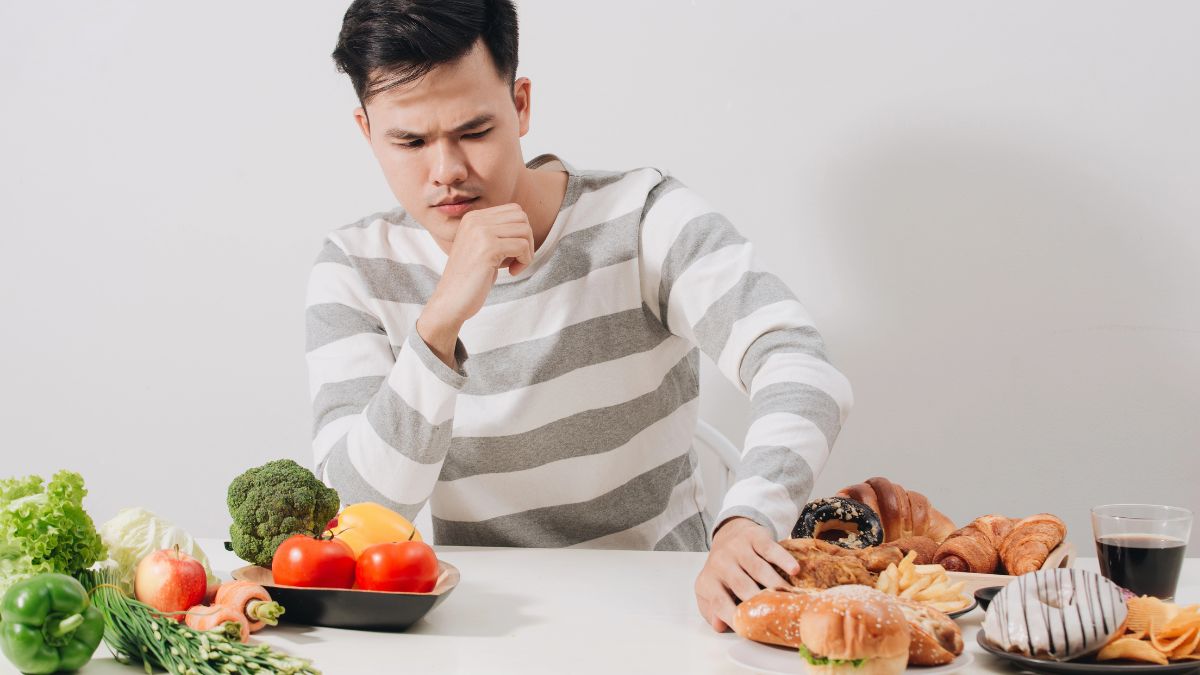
849, 623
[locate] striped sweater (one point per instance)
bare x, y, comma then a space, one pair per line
570, 420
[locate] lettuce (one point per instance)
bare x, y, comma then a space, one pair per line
43, 528
135, 533
823, 661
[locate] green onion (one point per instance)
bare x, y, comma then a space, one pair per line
135, 631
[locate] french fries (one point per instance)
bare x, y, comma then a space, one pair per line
928, 584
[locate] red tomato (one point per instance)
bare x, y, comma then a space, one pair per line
302, 560
405, 566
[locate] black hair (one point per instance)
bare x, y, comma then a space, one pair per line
388, 43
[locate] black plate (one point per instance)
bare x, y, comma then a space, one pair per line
957, 613
1039, 666
350, 608
984, 595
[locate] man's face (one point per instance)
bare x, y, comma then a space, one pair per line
449, 142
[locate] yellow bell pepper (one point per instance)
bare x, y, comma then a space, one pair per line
367, 523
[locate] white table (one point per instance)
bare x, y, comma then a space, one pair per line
552, 611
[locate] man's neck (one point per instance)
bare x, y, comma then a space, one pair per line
541, 193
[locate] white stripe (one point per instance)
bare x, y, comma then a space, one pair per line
769, 498
420, 388
665, 220
704, 282
744, 331
680, 506
793, 432
588, 388
604, 291
334, 283
797, 367
358, 355
387, 470
398, 243
571, 480
330, 434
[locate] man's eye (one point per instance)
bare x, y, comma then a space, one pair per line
477, 134
411, 145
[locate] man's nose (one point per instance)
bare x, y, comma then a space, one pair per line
449, 165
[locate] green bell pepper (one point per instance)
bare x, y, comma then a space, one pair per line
48, 625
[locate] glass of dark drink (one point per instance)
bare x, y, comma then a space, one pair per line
1141, 546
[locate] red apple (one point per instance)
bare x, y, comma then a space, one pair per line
170, 581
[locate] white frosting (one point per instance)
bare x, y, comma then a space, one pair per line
1058, 614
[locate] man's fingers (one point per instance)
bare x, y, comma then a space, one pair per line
761, 571
777, 555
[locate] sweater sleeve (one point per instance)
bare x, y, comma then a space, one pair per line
700, 279
382, 415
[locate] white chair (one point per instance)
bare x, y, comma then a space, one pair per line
718, 458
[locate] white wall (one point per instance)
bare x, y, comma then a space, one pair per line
990, 208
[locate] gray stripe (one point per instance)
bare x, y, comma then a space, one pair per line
332, 253
330, 322
587, 433
587, 343
396, 281
629, 505
335, 400
755, 515
397, 216
352, 489
804, 340
702, 235
690, 535
781, 466
577, 255
752, 291
801, 399
455, 377
406, 430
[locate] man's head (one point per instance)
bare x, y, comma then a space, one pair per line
440, 102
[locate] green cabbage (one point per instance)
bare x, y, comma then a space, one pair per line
135, 533
43, 528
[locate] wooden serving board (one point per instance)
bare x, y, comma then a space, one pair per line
1061, 556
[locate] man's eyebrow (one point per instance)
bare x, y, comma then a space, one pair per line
478, 120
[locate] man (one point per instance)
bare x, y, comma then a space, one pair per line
517, 343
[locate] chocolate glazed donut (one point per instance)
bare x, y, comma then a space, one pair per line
841, 521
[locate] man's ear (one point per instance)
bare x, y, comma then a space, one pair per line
364, 124
522, 101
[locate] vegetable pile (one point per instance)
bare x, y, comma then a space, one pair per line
43, 528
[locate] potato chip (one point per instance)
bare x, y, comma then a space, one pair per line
1167, 645
1131, 649
1188, 647
1142, 611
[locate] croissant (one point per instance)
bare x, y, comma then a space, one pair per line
904, 513
976, 547
1026, 548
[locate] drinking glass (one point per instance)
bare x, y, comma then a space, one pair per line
1141, 546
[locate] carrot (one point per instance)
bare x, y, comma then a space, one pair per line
250, 600
217, 617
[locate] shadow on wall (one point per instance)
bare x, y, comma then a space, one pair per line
1015, 311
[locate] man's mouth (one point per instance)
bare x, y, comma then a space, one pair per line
456, 207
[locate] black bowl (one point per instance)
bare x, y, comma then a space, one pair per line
353, 608
984, 595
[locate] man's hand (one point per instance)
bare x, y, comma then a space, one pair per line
486, 240
739, 565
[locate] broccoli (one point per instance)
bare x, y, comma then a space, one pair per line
271, 503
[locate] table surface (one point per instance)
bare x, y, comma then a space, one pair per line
552, 611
